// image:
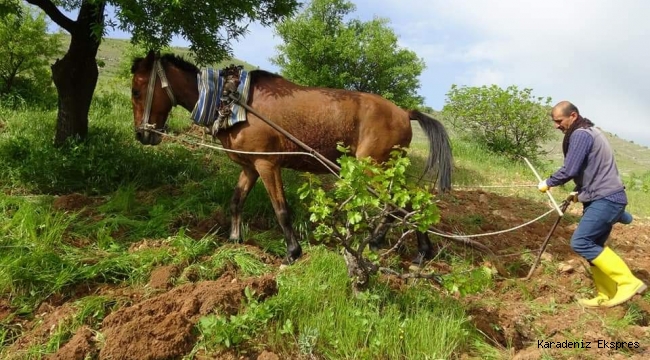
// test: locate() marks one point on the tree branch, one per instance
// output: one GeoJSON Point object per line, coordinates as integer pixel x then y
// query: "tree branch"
{"type": "Point", "coordinates": [55, 14]}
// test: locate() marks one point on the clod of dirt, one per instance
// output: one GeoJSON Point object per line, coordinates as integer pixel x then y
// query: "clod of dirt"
{"type": "Point", "coordinates": [267, 355]}
{"type": "Point", "coordinates": [161, 278]}
{"type": "Point", "coordinates": [71, 202]}
{"type": "Point", "coordinates": [79, 347]}
{"type": "Point", "coordinates": [199, 229]}
{"type": "Point", "coordinates": [38, 331]}
{"type": "Point", "coordinates": [565, 268]}
{"type": "Point", "coordinates": [5, 309]}
{"type": "Point", "coordinates": [161, 327]}
{"type": "Point", "coordinates": [530, 353]}
{"type": "Point", "coordinates": [147, 244]}
{"type": "Point", "coordinates": [502, 328]}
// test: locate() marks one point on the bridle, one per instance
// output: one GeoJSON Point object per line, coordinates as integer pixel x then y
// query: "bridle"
{"type": "Point", "coordinates": [155, 69]}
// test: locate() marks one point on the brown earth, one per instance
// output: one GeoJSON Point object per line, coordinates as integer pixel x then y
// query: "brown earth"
{"type": "Point", "coordinates": [517, 314]}
{"type": "Point", "coordinates": [514, 315]}
{"type": "Point", "coordinates": [80, 346]}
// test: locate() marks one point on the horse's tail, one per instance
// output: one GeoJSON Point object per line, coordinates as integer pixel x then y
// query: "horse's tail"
{"type": "Point", "coordinates": [440, 155]}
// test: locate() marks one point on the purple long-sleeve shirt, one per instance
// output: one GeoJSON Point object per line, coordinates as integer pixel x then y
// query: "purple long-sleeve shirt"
{"type": "Point", "coordinates": [579, 148]}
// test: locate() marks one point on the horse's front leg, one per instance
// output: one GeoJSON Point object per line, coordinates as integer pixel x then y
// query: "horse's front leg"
{"type": "Point", "coordinates": [425, 249]}
{"type": "Point", "coordinates": [247, 179]}
{"type": "Point", "coordinates": [272, 179]}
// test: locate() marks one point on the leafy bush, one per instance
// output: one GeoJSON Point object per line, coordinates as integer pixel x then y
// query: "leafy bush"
{"type": "Point", "coordinates": [35, 92]}
{"type": "Point", "coordinates": [25, 56]}
{"type": "Point", "coordinates": [511, 121]}
{"type": "Point", "coordinates": [364, 195]}
{"type": "Point", "coordinates": [638, 182]}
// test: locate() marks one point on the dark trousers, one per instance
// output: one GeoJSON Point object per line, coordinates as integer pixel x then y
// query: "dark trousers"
{"type": "Point", "coordinates": [595, 226]}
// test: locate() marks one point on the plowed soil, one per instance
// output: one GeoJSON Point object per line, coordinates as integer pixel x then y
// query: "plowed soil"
{"type": "Point", "coordinates": [515, 316]}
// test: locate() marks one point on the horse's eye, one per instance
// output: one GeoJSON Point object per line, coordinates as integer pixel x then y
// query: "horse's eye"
{"type": "Point", "coordinates": [135, 93]}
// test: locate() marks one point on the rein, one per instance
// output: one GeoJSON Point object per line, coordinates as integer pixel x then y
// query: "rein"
{"type": "Point", "coordinates": [164, 83]}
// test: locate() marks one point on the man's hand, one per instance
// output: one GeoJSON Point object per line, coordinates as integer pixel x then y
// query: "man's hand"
{"type": "Point", "coordinates": [542, 186]}
{"type": "Point", "coordinates": [573, 196]}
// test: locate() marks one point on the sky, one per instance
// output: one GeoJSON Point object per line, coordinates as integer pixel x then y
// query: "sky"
{"type": "Point", "coordinates": [594, 53]}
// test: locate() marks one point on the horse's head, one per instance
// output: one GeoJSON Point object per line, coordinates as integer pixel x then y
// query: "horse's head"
{"type": "Point", "coordinates": [152, 99]}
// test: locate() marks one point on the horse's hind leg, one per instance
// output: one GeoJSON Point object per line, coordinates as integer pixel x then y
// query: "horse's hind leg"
{"type": "Point", "coordinates": [247, 179]}
{"type": "Point", "coordinates": [378, 238]}
{"type": "Point", "coordinates": [425, 248]}
{"type": "Point", "coordinates": [272, 179]}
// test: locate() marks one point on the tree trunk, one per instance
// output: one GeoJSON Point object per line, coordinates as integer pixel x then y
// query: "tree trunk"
{"type": "Point", "coordinates": [75, 76]}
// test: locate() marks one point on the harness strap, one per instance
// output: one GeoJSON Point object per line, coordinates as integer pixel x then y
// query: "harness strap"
{"type": "Point", "coordinates": [156, 69]}
{"type": "Point", "coordinates": [149, 100]}
{"type": "Point", "coordinates": [163, 81]}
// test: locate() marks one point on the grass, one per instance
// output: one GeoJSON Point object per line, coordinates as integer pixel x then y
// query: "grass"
{"type": "Point", "coordinates": [317, 314]}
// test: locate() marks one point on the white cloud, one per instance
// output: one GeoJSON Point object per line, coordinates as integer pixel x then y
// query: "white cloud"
{"type": "Point", "coordinates": [593, 53]}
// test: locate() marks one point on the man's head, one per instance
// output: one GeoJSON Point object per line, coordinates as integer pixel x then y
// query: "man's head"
{"type": "Point", "coordinates": [564, 114]}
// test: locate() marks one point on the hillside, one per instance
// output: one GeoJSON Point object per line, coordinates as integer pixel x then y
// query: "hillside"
{"type": "Point", "coordinates": [631, 158]}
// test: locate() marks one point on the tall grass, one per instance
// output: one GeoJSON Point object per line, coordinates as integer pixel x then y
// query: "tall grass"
{"type": "Point", "coordinates": [318, 315]}
{"type": "Point", "coordinates": [108, 159]}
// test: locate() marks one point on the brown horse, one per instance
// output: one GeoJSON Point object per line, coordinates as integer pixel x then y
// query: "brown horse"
{"type": "Point", "coordinates": [368, 124]}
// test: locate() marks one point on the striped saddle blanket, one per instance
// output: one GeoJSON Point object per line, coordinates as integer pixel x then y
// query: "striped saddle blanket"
{"type": "Point", "coordinates": [209, 107]}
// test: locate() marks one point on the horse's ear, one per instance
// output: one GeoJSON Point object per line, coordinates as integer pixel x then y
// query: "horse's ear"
{"type": "Point", "coordinates": [150, 56]}
{"type": "Point", "coordinates": [144, 64]}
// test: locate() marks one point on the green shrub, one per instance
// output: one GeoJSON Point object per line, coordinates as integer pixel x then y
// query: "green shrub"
{"type": "Point", "coordinates": [510, 121]}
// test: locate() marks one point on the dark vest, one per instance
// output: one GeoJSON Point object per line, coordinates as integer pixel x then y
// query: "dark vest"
{"type": "Point", "coordinates": [599, 176]}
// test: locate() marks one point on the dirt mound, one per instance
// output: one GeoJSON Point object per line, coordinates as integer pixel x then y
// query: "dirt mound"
{"type": "Point", "coordinates": [5, 309]}
{"type": "Point", "coordinates": [162, 277]}
{"type": "Point", "coordinates": [80, 347]}
{"type": "Point", "coordinates": [72, 202]}
{"type": "Point", "coordinates": [161, 327]}
{"type": "Point", "coordinates": [40, 329]}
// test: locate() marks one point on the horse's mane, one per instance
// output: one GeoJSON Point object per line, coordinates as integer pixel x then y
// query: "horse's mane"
{"type": "Point", "coordinates": [183, 64]}
{"type": "Point", "coordinates": [175, 60]}
{"type": "Point", "coordinates": [260, 74]}
{"type": "Point", "coordinates": [180, 63]}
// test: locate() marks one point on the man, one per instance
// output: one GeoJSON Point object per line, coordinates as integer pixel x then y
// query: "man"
{"type": "Point", "coordinates": [589, 162]}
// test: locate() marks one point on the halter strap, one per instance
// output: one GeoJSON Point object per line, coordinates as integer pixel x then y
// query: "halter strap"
{"type": "Point", "coordinates": [155, 69]}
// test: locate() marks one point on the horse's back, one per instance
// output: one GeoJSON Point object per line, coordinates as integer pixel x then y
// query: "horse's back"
{"type": "Point", "coordinates": [321, 118]}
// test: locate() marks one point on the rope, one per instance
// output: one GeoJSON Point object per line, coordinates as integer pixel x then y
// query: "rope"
{"type": "Point", "coordinates": [492, 186]}
{"type": "Point", "coordinates": [220, 148]}
{"type": "Point", "coordinates": [495, 232]}
{"type": "Point", "coordinates": [438, 233]}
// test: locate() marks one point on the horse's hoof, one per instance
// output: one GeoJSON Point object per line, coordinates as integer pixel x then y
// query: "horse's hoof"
{"type": "Point", "coordinates": [415, 268]}
{"type": "Point", "coordinates": [236, 240]}
{"type": "Point", "coordinates": [421, 258]}
{"type": "Point", "coordinates": [287, 261]}
{"type": "Point", "coordinates": [292, 258]}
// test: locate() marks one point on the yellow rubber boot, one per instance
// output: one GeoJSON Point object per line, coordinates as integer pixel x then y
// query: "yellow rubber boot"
{"type": "Point", "coordinates": [605, 287]}
{"type": "Point", "coordinates": [627, 285]}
